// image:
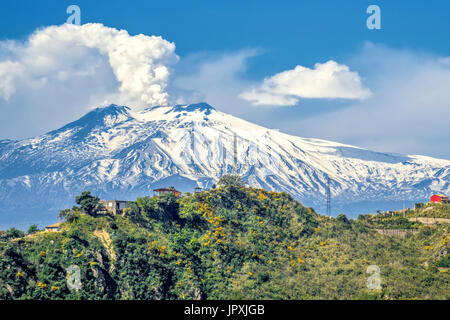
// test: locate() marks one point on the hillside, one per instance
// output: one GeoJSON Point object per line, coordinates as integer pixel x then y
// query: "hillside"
{"type": "Point", "coordinates": [119, 153]}
{"type": "Point", "coordinates": [432, 210]}
{"type": "Point", "coordinates": [229, 242]}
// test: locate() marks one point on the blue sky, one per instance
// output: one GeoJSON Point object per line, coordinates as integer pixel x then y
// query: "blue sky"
{"type": "Point", "coordinates": [289, 31]}
{"type": "Point", "coordinates": [247, 41]}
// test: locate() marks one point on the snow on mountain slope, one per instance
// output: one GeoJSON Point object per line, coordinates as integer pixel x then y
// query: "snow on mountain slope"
{"type": "Point", "coordinates": [118, 153]}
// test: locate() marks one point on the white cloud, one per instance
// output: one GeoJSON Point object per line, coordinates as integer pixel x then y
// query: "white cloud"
{"type": "Point", "coordinates": [141, 64]}
{"type": "Point", "coordinates": [327, 80]}
{"type": "Point", "coordinates": [60, 72]}
{"type": "Point", "coordinates": [216, 78]}
{"type": "Point", "coordinates": [408, 114]}
{"type": "Point", "coordinates": [8, 72]}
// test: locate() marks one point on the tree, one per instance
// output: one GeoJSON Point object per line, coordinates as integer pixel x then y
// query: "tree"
{"type": "Point", "coordinates": [168, 208]}
{"type": "Point", "coordinates": [342, 218]}
{"type": "Point", "coordinates": [33, 229]}
{"type": "Point", "coordinates": [70, 215]}
{"type": "Point", "coordinates": [87, 202]}
{"type": "Point", "coordinates": [231, 180]}
{"type": "Point", "coordinates": [14, 233]}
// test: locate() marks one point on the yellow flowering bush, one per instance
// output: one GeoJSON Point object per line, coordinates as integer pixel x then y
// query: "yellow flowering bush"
{"type": "Point", "coordinates": [41, 285]}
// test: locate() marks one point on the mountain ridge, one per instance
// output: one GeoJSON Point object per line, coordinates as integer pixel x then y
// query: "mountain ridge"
{"type": "Point", "coordinates": [118, 152]}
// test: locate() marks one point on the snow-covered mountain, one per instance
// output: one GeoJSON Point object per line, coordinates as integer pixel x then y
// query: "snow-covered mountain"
{"type": "Point", "coordinates": [119, 153]}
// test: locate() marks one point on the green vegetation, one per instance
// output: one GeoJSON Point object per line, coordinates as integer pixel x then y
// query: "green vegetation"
{"type": "Point", "coordinates": [230, 242]}
{"type": "Point", "coordinates": [432, 210]}
{"type": "Point", "coordinates": [88, 203]}
{"type": "Point", "coordinates": [32, 229]}
{"type": "Point", "coordinates": [394, 222]}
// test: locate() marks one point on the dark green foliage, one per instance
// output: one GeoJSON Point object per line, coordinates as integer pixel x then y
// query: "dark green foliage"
{"type": "Point", "coordinates": [88, 203]}
{"type": "Point", "coordinates": [70, 215]}
{"type": "Point", "coordinates": [32, 229]}
{"type": "Point", "coordinates": [342, 218]}
{"type": "Point", "coordinates": [230, 242]}
{"type": "Point", "coordinates": [444, 262]}
{"type": "Point", "coordinates": [230, 181]}
{"type": "Point", "coordinates": [14, 233]}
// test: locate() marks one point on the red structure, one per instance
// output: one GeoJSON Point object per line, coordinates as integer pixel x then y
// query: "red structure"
{"type": "Point", "coordinates": [439, 198]}
{"type": "Point", "coordinates": [162, 191]}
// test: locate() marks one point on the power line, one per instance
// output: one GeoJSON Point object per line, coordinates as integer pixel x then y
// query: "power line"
{"type": "Point", "coordinates": [328, 197]}
{"type": "Point", "coordinates": [235, 154]}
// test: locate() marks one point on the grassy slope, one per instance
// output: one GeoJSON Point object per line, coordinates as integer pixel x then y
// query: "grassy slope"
{"type": "Point", "coordinates": [432, 210]}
